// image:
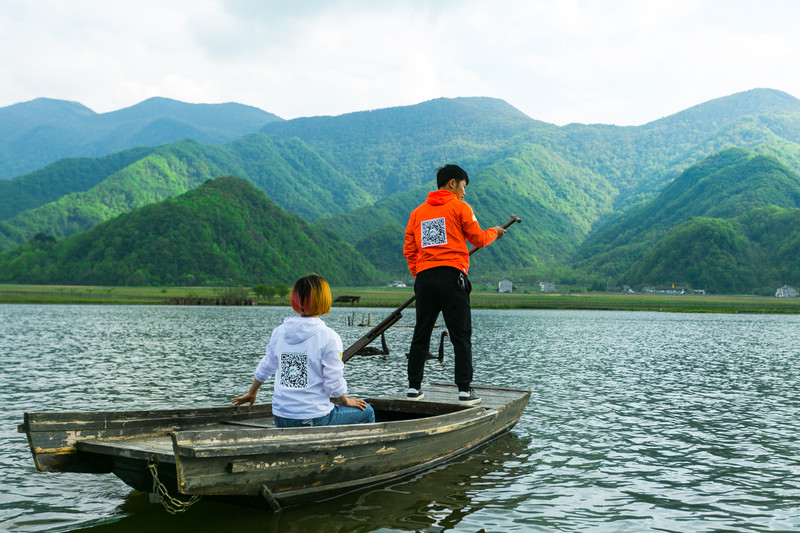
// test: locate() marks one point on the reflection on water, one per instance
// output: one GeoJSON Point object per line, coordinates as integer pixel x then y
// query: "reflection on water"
{"type": "Point", "coordinates": [637, 421]}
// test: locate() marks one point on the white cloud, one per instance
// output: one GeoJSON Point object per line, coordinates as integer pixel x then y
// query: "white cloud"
{"type": "Point", "coordinates": [614, 61]}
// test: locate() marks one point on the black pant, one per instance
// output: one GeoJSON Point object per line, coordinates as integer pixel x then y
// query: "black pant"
{"type": "Point", "coordinates": [445, 290]}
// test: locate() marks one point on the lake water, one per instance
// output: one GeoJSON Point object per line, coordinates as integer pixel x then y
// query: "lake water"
{"type": "Point", "coordinates": [637, 421]}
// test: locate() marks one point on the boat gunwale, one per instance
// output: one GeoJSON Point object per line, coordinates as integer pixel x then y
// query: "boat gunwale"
{"type": "Point", "coordinates": [43, 421]}
{"type": "Point", "coordinates": [287, 440]}
{"type": "Point", "coordinates": [169, 419]}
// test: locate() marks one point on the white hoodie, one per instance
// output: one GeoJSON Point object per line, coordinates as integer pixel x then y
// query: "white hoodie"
{"type": "Point", "coordinates": [306, 357]}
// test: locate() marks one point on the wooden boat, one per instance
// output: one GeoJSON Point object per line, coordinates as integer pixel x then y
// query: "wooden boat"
{"type": "Point", "coordinates": [233, 452]}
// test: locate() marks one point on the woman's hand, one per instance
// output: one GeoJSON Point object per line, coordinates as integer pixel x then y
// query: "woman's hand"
{"type": "Point", "coordinates": [247, 398]}
{"type": "Point", "coordinates": [250, 397]}
{"type": "Point", "coordinates": [352, 402]}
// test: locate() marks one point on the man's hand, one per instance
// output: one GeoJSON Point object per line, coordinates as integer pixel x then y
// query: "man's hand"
{"type": "Point", "coordinates": [500, 231]}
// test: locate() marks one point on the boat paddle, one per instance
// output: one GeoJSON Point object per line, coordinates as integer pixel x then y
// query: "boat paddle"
{"type": "Point", "coordinates": [396, 315]}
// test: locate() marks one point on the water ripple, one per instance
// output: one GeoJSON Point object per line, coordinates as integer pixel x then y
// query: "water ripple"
{"type": "Point", "coordinates": [637, 421]}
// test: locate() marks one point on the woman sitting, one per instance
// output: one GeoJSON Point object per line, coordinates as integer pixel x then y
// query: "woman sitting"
{"type": "Point", "coordinates": [305, 356]}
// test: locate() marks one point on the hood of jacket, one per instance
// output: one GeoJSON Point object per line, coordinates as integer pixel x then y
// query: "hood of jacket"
{"type": "Point", "coordinates": [298, 329]}
{"type": "Point", "coordinates": [440, 197]}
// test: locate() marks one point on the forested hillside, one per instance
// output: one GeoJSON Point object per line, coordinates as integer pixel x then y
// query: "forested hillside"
{"type": "Point", "coordinates": [396, 149]}
{"type": "Point", "coordinates": [225, 232]}
{"type": "Point", "coordinates": [291, 174]}
{"type": "Point", "coordinates": [600, 204]}
{"type": "Point", "coordinates": [700, 230]}
{"type": "Point", "coordinates": [754, 253]}
{"type": "Point", "coordinates": [558, 204]}
{"type": "Point", "coordinates": [60, 179]}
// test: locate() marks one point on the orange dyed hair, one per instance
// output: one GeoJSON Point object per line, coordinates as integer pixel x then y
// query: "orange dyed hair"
{"type": "Point", "coordinates": [311, 295]}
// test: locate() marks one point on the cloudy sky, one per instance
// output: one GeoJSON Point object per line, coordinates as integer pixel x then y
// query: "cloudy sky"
{"type": "Point", "coordinates": [624, 62]}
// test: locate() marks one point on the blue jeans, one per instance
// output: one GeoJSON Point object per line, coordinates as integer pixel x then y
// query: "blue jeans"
{"type": "Point", "coordinates": [338, 416]}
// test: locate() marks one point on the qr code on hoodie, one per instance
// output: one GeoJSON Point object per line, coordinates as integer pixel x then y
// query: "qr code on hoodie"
{"type": "Point", "coordinates": [294, 370]}
{"type": "Point", "coordinates": [433, 232]}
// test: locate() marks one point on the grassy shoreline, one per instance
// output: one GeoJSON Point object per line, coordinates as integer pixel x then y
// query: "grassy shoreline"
{"type": "Point", "coordinates": [392, 297]}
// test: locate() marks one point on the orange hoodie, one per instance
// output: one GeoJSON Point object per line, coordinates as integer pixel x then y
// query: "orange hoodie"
{"type": "Point", "coordinates": [437, 233]}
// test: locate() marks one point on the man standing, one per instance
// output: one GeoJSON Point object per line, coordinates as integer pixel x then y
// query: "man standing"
{"type": "Point", "coordinates": [436, 251]}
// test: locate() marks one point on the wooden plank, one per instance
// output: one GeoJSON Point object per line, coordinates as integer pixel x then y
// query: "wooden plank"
{"type": "Point", "coordinates": [143, 448]}
{"type": "Point", "coordinates": [234, 441]}
{"type": "Point", "coordinates": [491, 397]}
{"type": "Point", "coordinates": [90, 420]}
{"type": "Point", "coordinates": [260, 423]}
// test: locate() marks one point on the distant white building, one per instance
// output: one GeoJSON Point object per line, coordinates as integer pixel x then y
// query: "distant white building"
{"type": "Point", "coordinates": [505, 285]}
{"type": "Point", "coordinates": [786, 292]}
{"type": "Point", "coordinates": [547, 286]}
{"type": "Point", "coordinates": [667, 290]}
{"type": "Point", "coordinates": [396, 284]}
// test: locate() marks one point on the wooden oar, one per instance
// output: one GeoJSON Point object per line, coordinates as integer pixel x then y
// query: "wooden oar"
{"type": "Point", "coordinates": [396, 315]}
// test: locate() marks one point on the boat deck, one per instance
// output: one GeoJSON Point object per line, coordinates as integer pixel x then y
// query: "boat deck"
{"type": "Point", "coordinates": [491, 398]}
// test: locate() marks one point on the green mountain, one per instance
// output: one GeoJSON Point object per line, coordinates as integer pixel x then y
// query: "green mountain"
{"type": "Point", "coordinates": [753, 253]}
{"type": "Point", "coordinates": [286, 170]}
{"type": "Point", "coordinates": [396, 149]}
{"type": "Point", "coordinates": [557, 202]}
{"type": "Point", "coordinates": [224, 232]}
{"type": "Point", "coordinates": [699, 230]}
{"type": "Point", "coordinates": [640, 160]}
{"type": "Point", "coordinates": [595, 200]}
{"type": "Point", "coordinates": [62, 178]}
{"type": "Point", "coordinates": [702, 253]}
{"type": "Point", "coordinates": [42, 131]}
{"type": "Point", "coordinates": [774, 234]}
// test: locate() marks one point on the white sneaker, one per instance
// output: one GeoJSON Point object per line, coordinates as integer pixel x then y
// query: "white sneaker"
{"type": "Point", "coordinates": [468, 397]}
{"type": "Point", "coordinates": [414, 394]}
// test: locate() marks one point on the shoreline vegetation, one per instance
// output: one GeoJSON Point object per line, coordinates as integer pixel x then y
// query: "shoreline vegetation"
{"type": "Point", "coordinates": [394, 297]}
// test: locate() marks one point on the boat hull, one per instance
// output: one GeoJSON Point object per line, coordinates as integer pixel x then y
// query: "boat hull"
{"type": "Point", "coordinates": [246, 457]}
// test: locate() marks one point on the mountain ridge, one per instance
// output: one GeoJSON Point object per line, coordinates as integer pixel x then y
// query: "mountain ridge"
{"type": "Point", "coordinates": [42, 131]}
{"type": "Point", "coordinates": [358, 175]}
